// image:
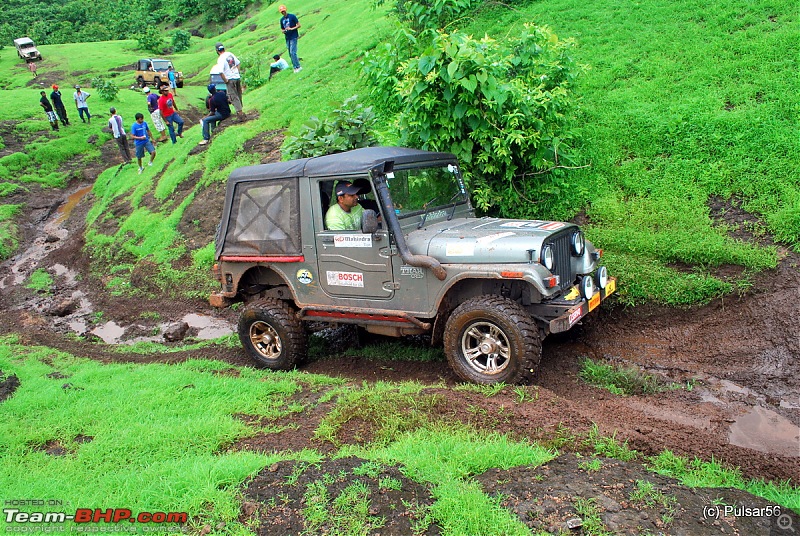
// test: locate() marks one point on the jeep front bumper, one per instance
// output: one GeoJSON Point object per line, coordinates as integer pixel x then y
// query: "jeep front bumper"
{"type": "Point", "coordinates": [568, 315]}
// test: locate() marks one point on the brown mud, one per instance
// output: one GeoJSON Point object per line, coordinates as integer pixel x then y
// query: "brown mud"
{"type": "Point", "coordinates": [737, 359]}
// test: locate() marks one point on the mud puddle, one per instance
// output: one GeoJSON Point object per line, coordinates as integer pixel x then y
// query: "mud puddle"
{"type": "Point", "coordinates": [197, 326]}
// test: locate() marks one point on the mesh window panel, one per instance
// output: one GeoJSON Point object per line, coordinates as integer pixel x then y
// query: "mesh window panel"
{"type": "Point", "coordinates": [265, 219]}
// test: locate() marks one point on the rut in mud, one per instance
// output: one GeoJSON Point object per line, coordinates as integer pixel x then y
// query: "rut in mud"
{"type": "Point", "coordinates": [740, 355]}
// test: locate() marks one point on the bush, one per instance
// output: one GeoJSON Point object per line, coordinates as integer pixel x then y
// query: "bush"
{"type": "Point", "coordinates": [501, 107]}
{"type": "Point", "coordinates": [254, 71]}
{"type": "Point", "coordinates": [180, 40]}
{"type": "Point", "coordinates": [351, 127]}
{"type": "Point", "coordinates": [151, 40]}
{"type": "Point", "coordinates": [106, 89]}
{"type": "Point", "coordinates": [430, 15]}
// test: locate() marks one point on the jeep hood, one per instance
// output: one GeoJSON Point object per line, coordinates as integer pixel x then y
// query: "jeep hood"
{"type": "Point", "coordinates": [484, 240]}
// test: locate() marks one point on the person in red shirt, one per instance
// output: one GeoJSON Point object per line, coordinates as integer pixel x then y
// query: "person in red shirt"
{"type": "Point", "coordinates": [169, 112]}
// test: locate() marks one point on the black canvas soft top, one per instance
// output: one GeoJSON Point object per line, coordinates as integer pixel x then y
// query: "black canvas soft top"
{"type": "Point", "coordinates": [271, 198]}
{"type": "Point", "coordinates": [357, 161]}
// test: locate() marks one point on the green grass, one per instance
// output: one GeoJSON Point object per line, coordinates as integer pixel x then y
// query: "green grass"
{"type": "Point", "coordinates": [445, 459]}
{"type": "Point", "coordinates": [617, 379]}
{"type": "Point", "coordinates": [712, 474]}
{"type": "Point", "coordinates": [696, 101]}
{"type": "Point", "coordinates": [158, 433]}
{"type": "Point", "coordinates": [40, 281]}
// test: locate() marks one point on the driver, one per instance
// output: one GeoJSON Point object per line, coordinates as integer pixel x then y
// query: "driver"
{"type": "Point", "coordinates": [345, 215]}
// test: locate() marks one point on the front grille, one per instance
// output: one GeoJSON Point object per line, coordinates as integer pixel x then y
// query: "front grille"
{"type": "Point", "coordinates": [562, 258]}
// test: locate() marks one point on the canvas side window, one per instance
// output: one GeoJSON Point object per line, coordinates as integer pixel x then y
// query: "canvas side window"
{"type": "Point", "coordinates": [265, 219]}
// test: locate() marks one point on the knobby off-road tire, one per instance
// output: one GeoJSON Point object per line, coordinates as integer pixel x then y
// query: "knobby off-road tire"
{"type": "Point", "coordinates": [272, 335]}
{"type": "Point", "coordinates": [490, 339]}
{"type": "Point", "coordinates": [140, 82]}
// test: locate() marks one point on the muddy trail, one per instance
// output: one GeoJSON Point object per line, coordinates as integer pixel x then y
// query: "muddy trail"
{"type": "Point", "coordinates": [736, 358]}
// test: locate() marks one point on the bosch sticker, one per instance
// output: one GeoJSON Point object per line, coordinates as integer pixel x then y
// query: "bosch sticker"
{"type": "Point", "coordinates": [345, 279]}
{"type": "Point", "coordinates": [304, 276]}
{"type": "Point", "coordinates": [574, 316]}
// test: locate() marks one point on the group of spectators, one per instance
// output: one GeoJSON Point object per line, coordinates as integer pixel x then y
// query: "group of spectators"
{"type": "Point", "coordinates": [163, 108]}
{"type": "Point", "coordinates": [57, 111]}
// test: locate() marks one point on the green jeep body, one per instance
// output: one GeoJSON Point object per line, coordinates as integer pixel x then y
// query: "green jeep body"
{"type": "Point", "coordinates": [489, 289]}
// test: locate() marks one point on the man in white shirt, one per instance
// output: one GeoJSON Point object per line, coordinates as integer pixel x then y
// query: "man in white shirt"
{"type": "Point", "coordinates": [115, 123]}
{"type": "Point", "coordinates": [229, 66]}
{"type": "Point", "coordinates": [80, 98]}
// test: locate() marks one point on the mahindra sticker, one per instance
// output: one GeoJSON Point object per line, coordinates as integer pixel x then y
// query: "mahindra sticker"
{"type": "Point", "coordinates": [352, 241]}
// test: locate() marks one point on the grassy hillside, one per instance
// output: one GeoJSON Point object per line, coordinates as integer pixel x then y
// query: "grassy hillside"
{"type": "Point", "coordinates": [681, 103]}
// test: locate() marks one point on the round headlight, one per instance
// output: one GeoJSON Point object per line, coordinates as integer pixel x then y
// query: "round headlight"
{"type": "Point", "coordinates": [578, 243]}
{"type": "Point", "coordinates": [601, 277]}
{"type": "Point", "coordinates": [587, 286]}
{"type": "Point", "coordinates": [547, 257]}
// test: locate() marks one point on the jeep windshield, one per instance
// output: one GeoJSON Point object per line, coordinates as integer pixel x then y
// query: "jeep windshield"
{"type": "Point", "coordinates": [427, 192]}
{"type": "Point", "coordinates": [161, 65]}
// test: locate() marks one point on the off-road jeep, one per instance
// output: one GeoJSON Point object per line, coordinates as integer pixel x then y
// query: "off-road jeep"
{"type": "Point", "coordinates": [26, 49]}
{"type": "Point", "coordinates": [490, 289]}
{"type": "Point", "coordinates": [152, 71]}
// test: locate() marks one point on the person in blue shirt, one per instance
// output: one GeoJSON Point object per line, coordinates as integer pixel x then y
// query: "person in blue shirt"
{"type": "Point", "coordinates": [173, 83]}
{"type": "Point", "coordinates": [289, 27]}
{"type": "Point", "coordinates": [143, 141]}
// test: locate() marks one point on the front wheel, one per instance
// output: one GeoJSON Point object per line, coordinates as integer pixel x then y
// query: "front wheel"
{"type": "Point", "coordinates": [140, 82]}
{"type": "Point", "coordinates": [157, 82]}
{"type": "Point", "coordinates": [490, 339]}
{"type": "Point", "coordinates": [272, 335]}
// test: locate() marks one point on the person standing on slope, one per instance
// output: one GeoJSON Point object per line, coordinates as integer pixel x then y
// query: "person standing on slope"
{"type": "Point", "coordinates": [228, 65]}
{"type": "Point", "coordinates": [289, 27]}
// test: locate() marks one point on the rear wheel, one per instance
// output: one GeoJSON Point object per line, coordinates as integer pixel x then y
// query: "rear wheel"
{"type": "Point", "coordinates": [157, 82]}
{"type": "Point", "coordinates": [140, 81]}
{"type": "Point", "coordinates": [490, 339]}
{"type": "Point", "coordinates": [272, 335]}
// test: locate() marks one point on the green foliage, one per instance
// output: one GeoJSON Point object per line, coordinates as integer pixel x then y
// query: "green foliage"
{"type": "Point", "coordinates": [618, 380]}
{"type": "Point", "coordinates": [40, 281]}
{"type": "Point", "coordinates": [609, 447]}
{"type": "Point", "coordinates": [8, 230]}
{"type": "Point", "coordinates": [105, 89]}
{"type": "Point", "coordinates": [222, 10]}
{"type": "Point", "coordinates": [171, 426]}
{"type": "Point", "coordinates": [151, 40]}
{"type": "Point", "coordinates": [502, 107]}
{"type": "Point", "coordinates": [430, 15]}
{"type": "Point", "coordinates": [255, 70]}
{"type": "Point", "coordinates": [350, 127]}
{"type": "Point", "coordinates": [699, 473]}
{"type": "Point", "coordinates": [181, 40]}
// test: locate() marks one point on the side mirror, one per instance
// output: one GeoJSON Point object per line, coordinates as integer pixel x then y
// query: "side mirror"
{"type": "Point", "coordinates": [369, 221]}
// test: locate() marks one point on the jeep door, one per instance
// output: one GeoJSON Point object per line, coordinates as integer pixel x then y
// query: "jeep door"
{"type": "Point", "coordinates": [351, 264]}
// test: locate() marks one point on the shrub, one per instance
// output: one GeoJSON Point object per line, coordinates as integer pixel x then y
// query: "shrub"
{"type": "Point", "coordinates": [351, 127]}
{"type": "Point", "coordinates": [180, 40]}
{"type": "Point", "coordinates": [151, 40]}
{"type": "Point", "coordinates": [501, 107]}
{"type": "Point", "coordinates": [431, 15]}
{"type": "Point", "coordinates": [253, 71]}
{"type": "Point", "coordinates": [106, 89]}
